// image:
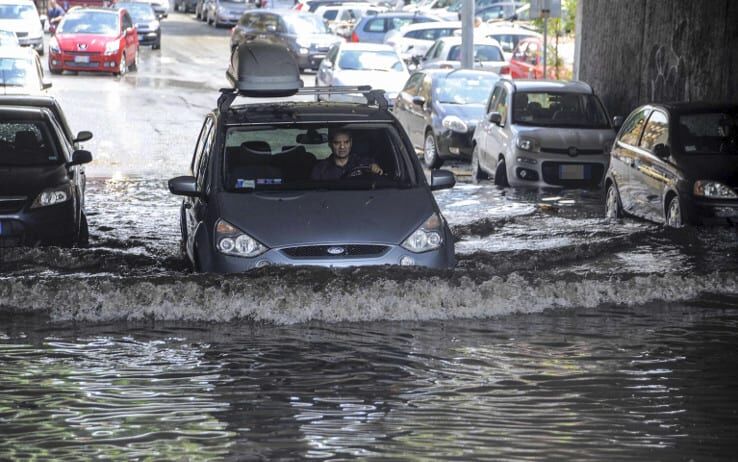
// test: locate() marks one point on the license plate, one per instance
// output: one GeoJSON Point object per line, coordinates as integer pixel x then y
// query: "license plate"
{"type": "Point", "coordinates": [81, 59]}
{"type": "Point", "coordinates": [571, 172]}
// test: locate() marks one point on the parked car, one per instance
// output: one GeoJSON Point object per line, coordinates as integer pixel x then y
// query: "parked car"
{"type": "Point", "coordinates": [676, 164]}
{"type": "Point", "coordinates": [543, 133]}
{"type": "Point", "coordinates": [200, 9]}
{"type": "Point", "coordinates": [225, 12]}
{"type": "Point", "coordinates": [21, 72]}
{"type": "Point", "coordinates": [251, 200]}
{"type": "Point", "coordinates": [144, 18]}
{"type": "Point", "coordinates": [94, 40]}
{"type": "Point", "coordinates": [355, 64]}
{"type": "Point", "coordinates": [439, 109]}
{"type": "Point", "coordinates": [21, 17]}
{"type": "Point", "coordinates": [8, 38]}
{"type": "Point", "coordinates": [304, 34]}
{"type": "Point", "coordinates": [185, 6]}
{"type": "Point", "coordinates": [341, 18]}
{"type": "Point", "coordinates": [527, 60]}
{"type": "Point", "coordinates": [509, 35]}
{"type": "Point", "coordinates": [503, 11]}
{"type": "Point", "coordinates": [374, 28]}
{"type": "Point", "coordinates": [309, 6]}
{"type": "Point", "coordinates": [446, 53]}
{"type": "Point", "coordinates": [161, 8]}
{"type": "Point", "coordinates": [437, 8]}
{"type": "Point", "coordinates": [412, 41]}
{"type": "Point", "coordinates": [50, 103]}
{"type": "Point", "coordinates": [42, 181]}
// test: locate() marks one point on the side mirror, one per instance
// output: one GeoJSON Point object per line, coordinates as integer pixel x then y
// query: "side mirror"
{"type": "Point", "coordinates": [418, 100]}
{"type": "Point", "coordinates": [84, 135]}
{"type": "Point", "coordinates": [183, 186]}
{"type": "Point", "coordinates": [45, 84]}
{"type": "Point", "coordinates": [442, 179]}
{"type": "Point", "coordinates": [617, 122]}
{"type": "Point", "coordinates": [80, 157]}
{"type": "Point", "coordinates": [661, 151]}
{"type": "Point", "coordinates": [495, 118]}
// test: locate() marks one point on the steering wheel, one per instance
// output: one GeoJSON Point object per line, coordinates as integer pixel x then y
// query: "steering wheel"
{"type": "Point", "coordinates": [359, 171]}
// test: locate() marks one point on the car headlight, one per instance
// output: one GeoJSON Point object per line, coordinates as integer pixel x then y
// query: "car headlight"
{"type": "Point", "coordinates": [713, 190]}
{"type": "Point", "coordinates": [112, 47]}
{"type": "Point", "coordinates": [53, 196]}
{"type": "Point", "coordinates": [153, 25]}
{"type": "Point", "coordinates": [303, 42]}
{"type": "Point", "coordinates": [232, 241]}
{"type": "Point", "coordinates": [454, 123]}
{"type": "Point", "coordinates": [528, 144]}
{"type": "Point", "coordinates": [54, 45]}
{"type": "Point", "coordinates": [429, 236]}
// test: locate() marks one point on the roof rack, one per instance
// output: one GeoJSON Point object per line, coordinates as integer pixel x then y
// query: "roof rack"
{"type": "Point", "coordinates": [373, 97]}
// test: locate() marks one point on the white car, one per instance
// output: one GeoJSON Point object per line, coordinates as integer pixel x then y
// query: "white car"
{"type": "Point", "coordinates": [21, 72]}
{"type": "Point", "coordinates": [355, 64]}
{"type": "Point", "coordinates": [446, 53]}
{"type": "Point", "coordinates": [435, 7]}
{"type": "Point", "coordinates": [341, 18]}
{"type": "Point", "coordinates": [21, 17]}
{"type": "Point", "coordinates": [414, 40]}
{"type": "Point", "coordinates": [508, 35]}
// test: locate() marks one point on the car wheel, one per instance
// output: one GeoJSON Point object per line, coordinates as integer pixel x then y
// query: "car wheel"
{"type": "Point", "coordinates": [134, 64]}
{"type": "Point", "coordinates": [477, 172]}
{"type": "Point", "coordinates": [122, 66]}
{"type": "Point", "coordinates": [501, 173]}
{"type": "Point", "coordinates": [613, 206]}
{"type": "Point", "coordinates": [430, 151]}
{"type": "Point", "coordinates": [55, 71]}
{"type": "Point", "coordinates": [157, 44]}
{"type": "Point", "coordinates": [83, 235]}
{"type": "Point", "coordinates": [674, 216]}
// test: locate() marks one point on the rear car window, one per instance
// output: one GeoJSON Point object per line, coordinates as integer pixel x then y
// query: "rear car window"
{"type": "Point", "coordinates": [26, 143]}
{"type": "Point", "coordinates": [708, 133]}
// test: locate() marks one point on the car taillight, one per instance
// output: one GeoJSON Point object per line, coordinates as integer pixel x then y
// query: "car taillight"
{"type": "Point", "coordinates": [354, 37]}
{"type": "Point", "coordinates": [504, 70]}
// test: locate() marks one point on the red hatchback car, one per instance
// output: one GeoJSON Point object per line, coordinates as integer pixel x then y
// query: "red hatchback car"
{"type": "Point", "coordinates": [94, 40]}
{"type": "Point", "coordinates": [527, 60]}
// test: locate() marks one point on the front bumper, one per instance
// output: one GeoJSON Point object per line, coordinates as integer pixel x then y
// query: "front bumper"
{"type": "Point", "coordinates": [146, 37]}
{"type": "Point", "coordinates": [542, 169]}
{"type": "Point", "coordinates": [715, 210]}
{"type": "Point", "coordinates": [455, 145]}
{"type": "Point", "coordinates": [55, 224]}
{"type": "Point", "coordinates": [88, 62]}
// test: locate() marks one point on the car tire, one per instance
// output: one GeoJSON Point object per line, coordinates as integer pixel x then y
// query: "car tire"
{"type": "Point", "coordinates": [431, 159]}
{"type": "Point", "coordinates": [613, 206]}
{"type": "Point", "coordinates": [134, 65]}
{"type": "Point", "coordinates": [477, 172]}
{"type": "Point", "coordinates": [83, 235]}
{"type": "Point", "coordinates": [501, 173]}
{"type": "Point", "coordinates": [55, 71]}
{"type": "Point", "coordinates": [122, 67]}
{"type": "Point", "coordinates": [157, 44]}
{"type": "Point", "coordinates": [674, 213]}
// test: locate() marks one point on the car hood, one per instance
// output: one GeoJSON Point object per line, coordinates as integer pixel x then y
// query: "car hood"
{"type": "Point", "coordinates": [279, 219]}
{"type": "Point", "coordinates": [30, 181]}
{"type": "Point", "coordinates": [390, 82]}
{"type": "Point", "coordinates": [564, 138]}
{"type": "Point", "coordinates": [321, 40]}
{"type": "Point", "coordinates": [718, 167]}
{"type": "Point", "coordinates": [95, 43]}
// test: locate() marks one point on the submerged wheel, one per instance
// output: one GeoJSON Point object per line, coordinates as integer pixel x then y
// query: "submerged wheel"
{"type": "Point", "coordinates": [613, 207]}
{"type": "Point", "coordinates": [501, 173]}
{"type": "Point", "coordinates": [674, 217]}
{"type": "Point", "coordinates": [83, 236]}
{"type": "Point", "coordinates": [477, 172]}
{"type": "Point", "coordinates": [431, 159]}
{"type": "Point", "coordinates": [134, 64]}
{"type": "Point", "coordinates": [122, 66]}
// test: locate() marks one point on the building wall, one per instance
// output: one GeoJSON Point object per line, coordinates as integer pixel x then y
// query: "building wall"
{"type": "Point", "coordinates": [638, 51]}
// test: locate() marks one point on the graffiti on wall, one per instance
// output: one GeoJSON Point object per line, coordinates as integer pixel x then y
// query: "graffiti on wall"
{"type": "Point", "coordinates": [669, 80]}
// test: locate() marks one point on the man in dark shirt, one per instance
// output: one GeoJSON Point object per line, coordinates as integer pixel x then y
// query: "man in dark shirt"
{"type": "Point", "coordinates": [54, 13]}
{"type": "Point", "coordinates": [342, 162]}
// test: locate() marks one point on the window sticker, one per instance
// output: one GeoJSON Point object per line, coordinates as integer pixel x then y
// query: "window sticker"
{"type": "Point", "coordinates": [243, 184]}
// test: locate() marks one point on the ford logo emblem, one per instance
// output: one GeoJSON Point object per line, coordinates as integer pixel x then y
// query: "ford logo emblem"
{"type": "Point", "coordinates": [573, 151]}
{"type": "Point", "coordinates": [336, 250]}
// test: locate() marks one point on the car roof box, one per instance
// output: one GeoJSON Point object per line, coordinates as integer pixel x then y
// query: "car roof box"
{"type": "Point", "coordinates": [261, 69]}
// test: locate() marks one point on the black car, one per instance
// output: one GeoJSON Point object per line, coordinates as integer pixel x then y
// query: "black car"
{"type": "Point", "coordinates": [42, 181]}
{"type": "Point", "coordinates": [258, 194]}
{"type": "Point", "coordinates": [185, 6]}
{"type": "Point", "coordinates": [676, 164]}
{"type": "Point", "coordinates": [304, 34]}
{"type": "Point", "coordinates": [50, 103]}
{"type": "Point", "coordinates": [145, 19]}
{"type": "Point", "coordinates": [440, 108]}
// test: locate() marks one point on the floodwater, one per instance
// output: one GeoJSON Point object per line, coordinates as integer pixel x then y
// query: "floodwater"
{"type": "Point", "coordinates": [559, 336]}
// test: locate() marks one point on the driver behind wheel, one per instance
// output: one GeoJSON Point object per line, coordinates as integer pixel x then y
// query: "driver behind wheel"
{"type": "Point", "coordinates": [343, 163]}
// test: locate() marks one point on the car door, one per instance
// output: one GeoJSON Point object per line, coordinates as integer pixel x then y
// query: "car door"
{"type": "Point", "coordinates": [484, 128]}
{"type": "Point", "coordinates": [193, 208]}
{"type": "Point", "coordinates": [130, 36]}
{"type": "Point", "coordinates": [418, 110]}
{"type": "Point", "coordinates": [497, 139]}
{"type": "Point", "coordinates": [404, 102]}
{"type": "Point", "coordinates": [623, 158]}
{"type": "Point", "coordinates": [652, 174]}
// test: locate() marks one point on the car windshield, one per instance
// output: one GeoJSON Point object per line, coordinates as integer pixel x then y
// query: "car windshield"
{"type": "Point", "coordinates": [366, 60]}
{"type": "Point", "coordinates": [18, 12]}
{"type": "Point", "coordinates": [25, 143]}
{"type": "Point", "coordinates": [90, 22]}
{"type": "Point", "coordinates": [481, 53]}
{"type": "Point", "coordinates": [305, 24]}
{"type": "Point", "coordinates": [708, 133]}
{"type": "Point", "coordinates": [300, 158]}
{"type": "Point", "coordinates": [558, 109]}
{"type": "Point", "coordinates": [140, 12]}
{"type": "Point", "coordinates": [465, 88]}
{"type": "Point", "coordinates": [15, 72]}
{"type": "Point", "coordinates": [8, 38]}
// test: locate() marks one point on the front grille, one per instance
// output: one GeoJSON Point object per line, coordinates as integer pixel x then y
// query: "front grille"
{"type": "Point", "coordinates": [580, 152]}
{"type": "Point", "coordinates": [82, 53]}
{"type": "Point", "coordinates": [349, 251]}
{"type": "Point", "coordinates": [11, 204]}
{"type": "Point", "coordinates": [592, 175]}
{"type": "Point", "coordinates": [90, 64]}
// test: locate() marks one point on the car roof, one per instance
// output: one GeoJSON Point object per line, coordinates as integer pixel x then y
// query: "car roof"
{"type": "Point", "coordinates": [26, 112]}
{"type": "Point", "coordinates": [568, 86]}
{"type": "Point", "coordinates": [307, 112]}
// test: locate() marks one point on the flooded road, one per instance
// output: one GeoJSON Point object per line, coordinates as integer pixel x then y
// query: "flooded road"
{"type": "Point", "coordinates": [560, 335]}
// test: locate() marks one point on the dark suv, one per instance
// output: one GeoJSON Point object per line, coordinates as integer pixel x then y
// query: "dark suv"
{"type": "Point", "coordinates": [252, 197]}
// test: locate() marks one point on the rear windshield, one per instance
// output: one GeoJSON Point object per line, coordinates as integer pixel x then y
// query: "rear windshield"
{"type": "Point", "coordinates": [570, 110]}
{"type": "Point", "coordinates": [301, 158]}
{"type": "Point", "coordinates": [708, 133]}
{"type": "Point", "coordinates": [90, 22]}
{"type": "Point", "coordinates": [25, 143]}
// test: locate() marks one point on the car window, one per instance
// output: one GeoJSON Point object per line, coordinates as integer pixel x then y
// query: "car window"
{"type": "Point", "coordinates": [501, 105]}
{"type": "Point", "coordinates": [197, 155]}
{"type": "Point", "coordinates": [412, 86]}
{"type": "Point", "coordinates": [508, 42]}
{"type": "Point", "coordinates": [202, 168]}
{"type": "Point", "coordinates": [559, 109]}
{"type": "Point", "coordinates": [632, 128]}
{"type": "Point", "coordinates": [17, 72]}
{"type": "Point", "coordinates": [10, 11]}
{"type": "Point", "coordinates": [365, 60]}
{"type": "Point", "coordinates": [493, 99]}
{"type": "Point", "coordinates": [290, 156]}
{"type": "Point", "coordinates": [26, 143]}
{"type": "Point", "coordinates": [305, 24]}
{"type": "Point", "coordinates": [707, 133]}
{"type": "Point", "coordinates": [330, 15]}
{"type": "Point", "coordinates": [425, 87]}
{"type": "Point", "coordinates": [375, 25]}
{"type": "Point", "coordinates": [481, 53]}
{"type": "Point", "coordinates": [656, 131]}
{"type": "Point", "coordinates": [332, 53]}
